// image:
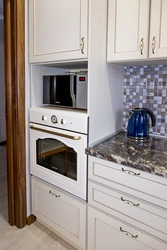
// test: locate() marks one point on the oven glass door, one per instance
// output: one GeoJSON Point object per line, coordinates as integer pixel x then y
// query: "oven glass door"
{"type": "Point", "coordinates": [57, 156]}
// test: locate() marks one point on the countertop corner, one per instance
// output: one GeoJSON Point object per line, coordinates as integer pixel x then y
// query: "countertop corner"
{"type": "Point", "coordinates": [149, 155]}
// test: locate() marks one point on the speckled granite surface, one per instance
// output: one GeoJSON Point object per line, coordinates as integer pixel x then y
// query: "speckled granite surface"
{"type": "Point", "coordinates": [149, 155]}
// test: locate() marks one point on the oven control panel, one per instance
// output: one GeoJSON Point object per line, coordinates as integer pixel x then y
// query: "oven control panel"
{"type": "Point", "coordinates": [58, 118]}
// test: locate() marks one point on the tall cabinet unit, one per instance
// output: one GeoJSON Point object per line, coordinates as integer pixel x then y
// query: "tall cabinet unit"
{"type": "Point", "coordinates": [58, 30]}
{"type": "Point", "coordinates": [137, 30]}
{"type": "Point", "coordinates": [58, 37]}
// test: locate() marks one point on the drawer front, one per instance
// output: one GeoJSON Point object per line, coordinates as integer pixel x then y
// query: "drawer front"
{"type": "Point", "coordinates": [110, 173]}
{"type": "Point", "coordinates": [110, 200]}
{"type": "Point", "coordinates": [60, 211]}
{"type": "Point", "coordinates": [108, 233]}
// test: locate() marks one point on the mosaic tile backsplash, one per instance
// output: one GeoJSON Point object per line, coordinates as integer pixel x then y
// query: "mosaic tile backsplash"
{"type": "Point", "coordinates": [146, 87]}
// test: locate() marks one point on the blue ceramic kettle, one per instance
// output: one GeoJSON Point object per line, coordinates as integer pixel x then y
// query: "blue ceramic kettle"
{"type": "Point", "coordinates": [138, 123]}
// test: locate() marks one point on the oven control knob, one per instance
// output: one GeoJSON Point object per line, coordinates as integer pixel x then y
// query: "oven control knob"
{"type": "Point", "coordinates": [44, 118]}
{"type": "Point", "coordinates": [54, 119]}
{"type": "Point", "coordinates": [63, 121]}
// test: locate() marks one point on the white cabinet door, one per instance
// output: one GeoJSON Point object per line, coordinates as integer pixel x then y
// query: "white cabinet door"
{"type": "Point", "coordinates": [158, 29]}
{"type": "Point", "coordinates": [128, 27]}
{"type": "Point", "coordinates": [58, 30]}
{"type": "Point", "coordinates": [63, 213]}
{"type": "Point", "coordinates": [107, 233]}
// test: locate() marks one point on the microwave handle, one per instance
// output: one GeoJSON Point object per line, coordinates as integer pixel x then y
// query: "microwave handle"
{"type": "Point", "coordinates": [55, 133]}
{"type": "Point", "coordinates": [72, 90]}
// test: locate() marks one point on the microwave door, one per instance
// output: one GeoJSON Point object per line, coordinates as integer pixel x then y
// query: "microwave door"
{"type": "Point", "coordinates": [73, 89]}
{"type": "Point", "coordinates": [63, 92]}
{"type": "Point", "coordinates": [52, 89]}
{"type": "Point", "coordinates": [49, 89]}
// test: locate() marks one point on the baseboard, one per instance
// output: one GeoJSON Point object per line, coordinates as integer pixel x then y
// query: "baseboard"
{"type": "Point", "coordinates": [2, 143]}
{"type": "Point", "coordinates": [31, 219]}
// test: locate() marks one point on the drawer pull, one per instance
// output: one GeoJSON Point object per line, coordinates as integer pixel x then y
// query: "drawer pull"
{"type": "Point", "coordinates": [130, 172]}
{"type": "Point", "coordinates": [53, 194]}
{"type": "Point", "coordinates": [128, 234]}
{"type": "Point", "coordinates": [130, 202]}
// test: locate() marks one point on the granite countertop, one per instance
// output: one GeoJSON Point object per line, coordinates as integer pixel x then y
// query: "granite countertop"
{"type": "Point", "coordinates": [149, 155]}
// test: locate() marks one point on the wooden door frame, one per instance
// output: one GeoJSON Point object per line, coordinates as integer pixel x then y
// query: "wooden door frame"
{"type": "Point", "coordinates": [14, 43]}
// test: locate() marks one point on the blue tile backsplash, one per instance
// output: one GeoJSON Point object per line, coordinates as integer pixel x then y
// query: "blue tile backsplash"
{"type": "Point", "coordinates": [146, 87]}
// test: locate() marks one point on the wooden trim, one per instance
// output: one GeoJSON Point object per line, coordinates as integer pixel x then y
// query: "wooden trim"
{"type": "Point", "coordinates": [14, 32]}
{"type": "Point", "coordinates": [31, 219]}
{"type": "Point", "coordinates": [19, 114]}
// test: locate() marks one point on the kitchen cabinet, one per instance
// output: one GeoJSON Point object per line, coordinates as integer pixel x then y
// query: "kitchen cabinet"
{"type": "Point", "coordinates": [62, 213]}
{"type": "Point", "coordinates": [158, 27]}
{"type": "Point", "coordinates": [105, 232]}
{"type": "Point", "coordinates": [126, 207]}
{"type": "Point", "coordinates": [137, 30]}
{"type": "Point", "coordinates": [58, 30]}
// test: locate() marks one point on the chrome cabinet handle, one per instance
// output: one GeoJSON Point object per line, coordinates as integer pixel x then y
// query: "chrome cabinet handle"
{"type": "Point", "coordinates": [53, 194]}
{"type": "Point", "coordinates": [82, 45]}
{"type": "Point", "coordinates": [55, 133]}
{"type": "Point", "coordinates": [141, 46]}
{"type": "Point", "coordinates": [130, 202]}
{"type": "Point", "coordinates": [128, 234]}
{"type": "Point", "coordinates": [153, 45]}
{"type": "Point", "coordinates": [130, 172]}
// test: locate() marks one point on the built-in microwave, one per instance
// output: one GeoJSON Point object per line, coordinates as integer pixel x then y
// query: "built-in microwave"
{"type": "Point", "coordinates": [66, 90]}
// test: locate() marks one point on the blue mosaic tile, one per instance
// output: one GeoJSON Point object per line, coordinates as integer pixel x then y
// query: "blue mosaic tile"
{"type": "Point", "coordinates": [146, 87]}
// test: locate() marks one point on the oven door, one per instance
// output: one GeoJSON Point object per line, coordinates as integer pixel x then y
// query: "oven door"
{"type": "Point", "coordinates": [58, 157]}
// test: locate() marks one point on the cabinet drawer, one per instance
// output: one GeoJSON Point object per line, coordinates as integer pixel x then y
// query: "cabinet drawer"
{"type": "Point", "coordinates": [110, 174]}
{"type": "Point", "coordinates": [62, 212]}
{"type": "Point", "coordinates": [113, 201]}
{"type": "Point", "coordinates": [105, 232]}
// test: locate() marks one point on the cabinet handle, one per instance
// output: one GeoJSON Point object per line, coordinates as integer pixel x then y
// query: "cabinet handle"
{"type": "Point", "coordinates": [130, 172]}
{"type": "Point", "coordinates": [128, 234]}
{"type": "Point", "coordinates": [130, 202]}
{"type": "Point", "coordinates": [141, 46]}
{"type": "Point", "coordinates": [53, 194]}
{"type": "Point", "coordinates": [82, 45]}
{"type": "Point", "coordinates": [153, 45]}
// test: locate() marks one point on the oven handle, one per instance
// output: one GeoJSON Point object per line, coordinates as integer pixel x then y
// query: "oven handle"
{"type": "Point", "coordinates": [55, 133]}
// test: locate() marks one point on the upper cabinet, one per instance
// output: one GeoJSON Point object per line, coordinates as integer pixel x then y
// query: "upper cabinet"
{"type": "Point", "coordinates": [137, 30]}
{"type": "Point", "coordinates": [58, 30]}
{"type": "Point", "coordinates": [158, 29]}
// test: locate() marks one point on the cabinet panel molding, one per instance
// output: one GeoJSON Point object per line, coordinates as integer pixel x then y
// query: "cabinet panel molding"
{"type": "Point", "coordinates": [132, 197]}
{"type": "Point", "coordinates": [58, 30]}
{"type": "Point", "coordinates": [128, 27]}
{"type": "Point", "coordinates": [108, 233]}
{"type": "Point", "coordinates": [158, 27]}
{"type": "Point", "coordinates": [61, 212]}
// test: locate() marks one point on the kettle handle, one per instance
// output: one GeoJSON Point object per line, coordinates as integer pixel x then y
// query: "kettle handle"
{"type": "Point", "coordinates": [148, 111]}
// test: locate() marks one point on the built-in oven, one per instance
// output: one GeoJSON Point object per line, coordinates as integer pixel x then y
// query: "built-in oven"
{"type": "Point", "coordinates": [58, 140]}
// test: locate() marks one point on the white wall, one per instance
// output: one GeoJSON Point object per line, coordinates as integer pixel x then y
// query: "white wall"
{"type": "Point", "coordinates": [2, 85]}
{"type": "Point", "coordinates": [105, 80]}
